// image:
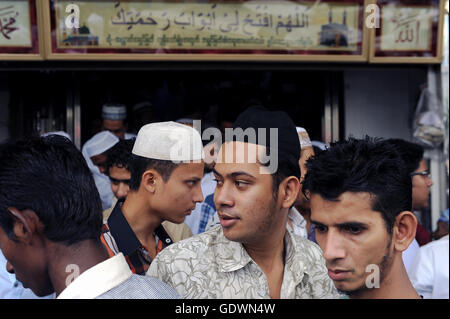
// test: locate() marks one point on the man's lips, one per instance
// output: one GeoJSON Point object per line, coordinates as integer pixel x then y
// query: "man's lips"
{"type": "Point", "coordinates": [227, 220]}
{"type": "Point", "coordinates": [338, 274]}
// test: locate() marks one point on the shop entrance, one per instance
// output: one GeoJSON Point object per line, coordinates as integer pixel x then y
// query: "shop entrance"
{"type": "Point", "coordinates": [214, 97]}
{"type": "Point", "coordinates": [72, 100]}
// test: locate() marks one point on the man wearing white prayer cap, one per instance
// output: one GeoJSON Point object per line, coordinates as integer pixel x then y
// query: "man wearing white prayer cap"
{"type": "Point", "coordinates": [94, 152]}
{"type": "Point", "coordinates": [60, 133]}
{"type": "Point", "coordinates": [166, 171]}
{"type": "Point", "coordinates": [114, 118]}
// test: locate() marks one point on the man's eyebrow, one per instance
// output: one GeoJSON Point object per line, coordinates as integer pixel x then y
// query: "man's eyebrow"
{"type": "Point", "coordinates": [316, 223]}
{"type": "Point", "coordinates": [120, 180]}
{"type": "Point", "coordinates": [352, 224]}
{"type": "Point", "coordinates": [342, 225]}
{"type": "Point", "coordinates": [234, 174]}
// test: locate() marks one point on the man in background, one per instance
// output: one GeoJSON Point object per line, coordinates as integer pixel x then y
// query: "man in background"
{"type": "Point", "coordinates": [95, 152]}
{"type": "Point", "coordinates": [118, 171]}
{"type": "Point", "coordinates": [114, 119]}
{"type": "Point", "coordinates": [412, 154]}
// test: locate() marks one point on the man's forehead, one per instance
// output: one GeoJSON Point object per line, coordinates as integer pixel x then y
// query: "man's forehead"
{"type": "Point", "coordinates": [225, 169]}
{"type": "Point", "coordinates": [240, 152]}
{"type": "Point", "coordinates": [100, 158]}
{"type": "Point", "coordinates": [113, 123]}
{"type": "Point", "coordinates": [116, 171]}
{"type": "Point", "coordinates": [193, 168]}
{"type": "Point", "coordinates": [422, 165]}
{"type": "Point", "coordinates": [347, 207]}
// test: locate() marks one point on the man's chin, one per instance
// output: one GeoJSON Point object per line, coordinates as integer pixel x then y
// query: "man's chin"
{"type": "Point", "coordinates": [352, 291]}
{"type": "Point", "coordinates": [41, 291]}
{"type": "Point", "coordinates": [348, 289]}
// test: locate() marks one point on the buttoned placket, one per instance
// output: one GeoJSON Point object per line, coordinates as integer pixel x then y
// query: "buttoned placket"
{"type": "Point", "coordinates": [260, 277]}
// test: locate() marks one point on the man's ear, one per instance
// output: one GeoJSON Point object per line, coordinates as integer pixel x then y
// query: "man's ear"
{"type": "Point", "coordinates": [150, 180]}
{"type": "Point", "coordinates": [25, 224]}
{"type": "Point", "coordinates": [404, 230]}
{"type": "Point", "coordinates": [288, 190]}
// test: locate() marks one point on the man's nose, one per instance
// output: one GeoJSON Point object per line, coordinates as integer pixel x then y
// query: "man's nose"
{"type": "Point", "coordinates": [429, 181]}
{"type": "Point", "coordinates": [223, 197]}
{"type": "Point", "coordinates": [333, 247]}
{"type": "Point", "coordinates": [198, 196]}
{"type": "Point", "coordinates": [9, 268]}
{"type": "Point", "coordinates": [123, 190]}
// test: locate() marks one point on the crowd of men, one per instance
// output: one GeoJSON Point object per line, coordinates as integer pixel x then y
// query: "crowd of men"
{"type": "Point", "coordinates": [109, 222]}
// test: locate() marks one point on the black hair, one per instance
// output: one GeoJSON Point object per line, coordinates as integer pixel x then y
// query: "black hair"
{"type": "Point", "coordinates": [362, 165]}
{"type": "Point", "coordinates": [285, 169]}
{"type": "Point", "coordinates": [120, 155]}
{"type": "Point", "coordinates": [411, 153]}
{"type": "Point", "coordinates": [50, 176]}
{"type": "Point", "coordinates": [141, 164]}
{"type": "Point", "coordinates": [257, 116]}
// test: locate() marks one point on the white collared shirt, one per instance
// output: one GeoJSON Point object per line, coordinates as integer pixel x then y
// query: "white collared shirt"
{"type": "Point", "coordinates": [98, 279]}
{"type": "Point", "coordinates": [430, 271]}
{"type": "Point", "coordinates": [211, 266]}
{"type": "Point", "coordinates": [113, 279]}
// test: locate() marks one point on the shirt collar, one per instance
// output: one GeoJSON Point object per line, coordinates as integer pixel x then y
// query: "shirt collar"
{"type": "Point", "coordinates": [123, 234]}
{"type": "Point", "coordinates": [296, 217]}
{"type": "Point", "coordinates": [294, 257]}
{"type": "Point", "coordinates": [239, 257]}
{"type": "Point", "coordinates": [298, 223]}
{"type": "Point", "coordinates": [126, 240]}
{"type": "Point", "coordinates": [98, 279]}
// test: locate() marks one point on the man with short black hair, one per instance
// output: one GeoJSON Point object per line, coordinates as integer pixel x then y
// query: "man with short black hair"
{"type": "Point", "coordinates": [166, 168]}
{"type": "Point", "coordinates": [360, 193]}
{"type": "Point", "coordinates": [118, 171]}
{"type": "Point", "coordinates": [252, 254]}
{"type": "Point", "coordinates": [50, 226]}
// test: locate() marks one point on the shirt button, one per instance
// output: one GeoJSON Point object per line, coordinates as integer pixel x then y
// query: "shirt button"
{"type": "Point", "coordinates": [16, 284]}
{"type": "Point", "coordinates": [168, 240]}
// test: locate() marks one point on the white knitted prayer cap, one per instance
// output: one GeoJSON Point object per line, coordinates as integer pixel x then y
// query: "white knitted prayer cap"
{"type": "Point", "coordinates": [100, 143]}
{"type": "Point", "coordinates": [114, 112]}
{"type": "Point", "coordinates": [169, 141]}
